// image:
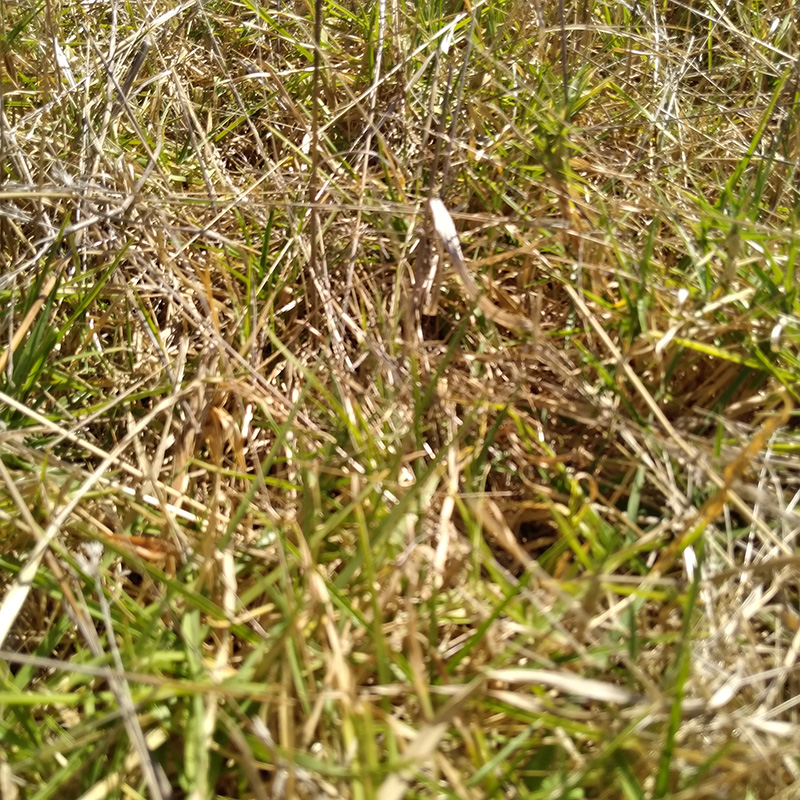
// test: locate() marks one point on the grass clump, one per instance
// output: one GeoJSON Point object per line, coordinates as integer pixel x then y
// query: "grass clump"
{"type": "Point", "coordinates": [288, 510]}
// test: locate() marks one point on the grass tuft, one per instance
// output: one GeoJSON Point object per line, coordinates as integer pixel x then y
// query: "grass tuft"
{"type": "Point", "coordinates": [307, 493]}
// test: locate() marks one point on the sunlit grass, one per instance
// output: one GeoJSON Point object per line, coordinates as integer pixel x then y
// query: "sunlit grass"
{"type": "Point", "coordinates": [357, 539]}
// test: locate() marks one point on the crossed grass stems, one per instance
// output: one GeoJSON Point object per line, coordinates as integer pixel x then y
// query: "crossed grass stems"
{"type": "Point", "coordinates": [352, 548]}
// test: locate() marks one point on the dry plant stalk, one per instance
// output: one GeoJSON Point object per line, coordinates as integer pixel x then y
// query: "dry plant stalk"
{"type": "Point", "coordinates": [26, 323]}
{"type": "Point", "coordinates": [446, 231]}
{"type": "Point", "coordinates": [715, 505]}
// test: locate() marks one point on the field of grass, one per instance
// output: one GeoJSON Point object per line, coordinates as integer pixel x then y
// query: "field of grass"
{"type": "Point", "coordinates": [303, 497]}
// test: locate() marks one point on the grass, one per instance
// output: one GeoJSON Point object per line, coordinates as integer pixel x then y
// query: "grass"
{"type": "Point", "coordinates": [285, 512]}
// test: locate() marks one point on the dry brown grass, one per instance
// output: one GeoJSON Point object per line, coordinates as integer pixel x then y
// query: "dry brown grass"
{"type": "Point", "coordinates": [285, 513]}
